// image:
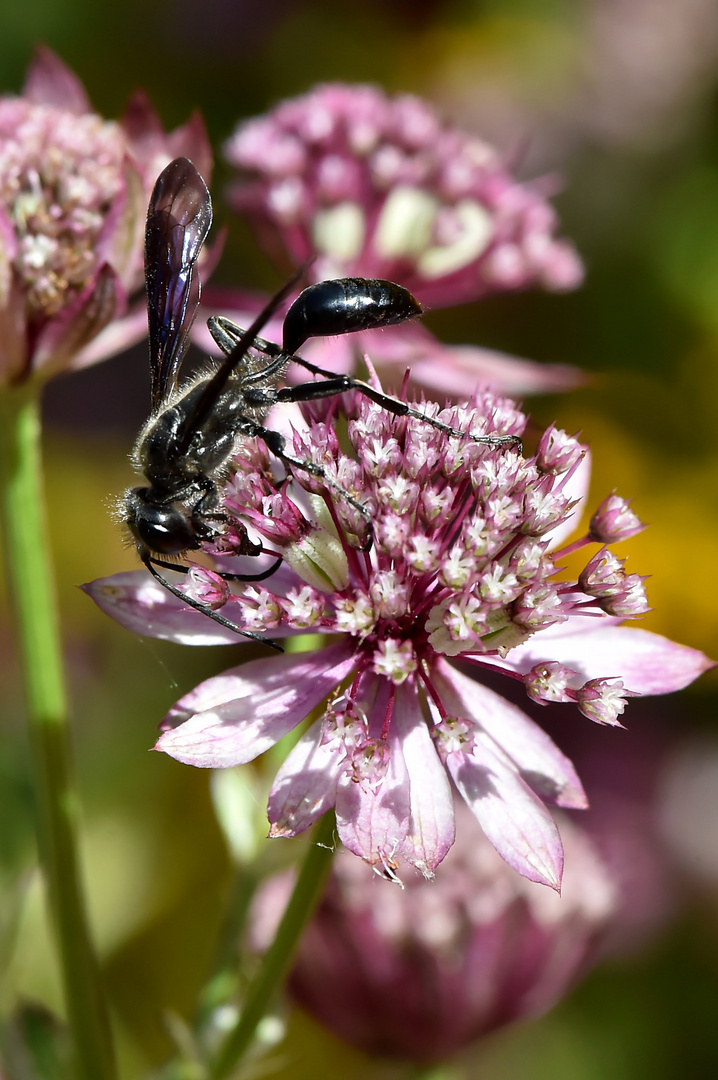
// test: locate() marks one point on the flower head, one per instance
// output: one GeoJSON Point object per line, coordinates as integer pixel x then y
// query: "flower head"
{"type": "Point", "coordinates": [73, 196]}
{"type": "Point", "coordinates": [420, 973]}
{"type": "Point", "coordinates": [379, 187]}
{"type": "Point", "coordinates": [414, 550]}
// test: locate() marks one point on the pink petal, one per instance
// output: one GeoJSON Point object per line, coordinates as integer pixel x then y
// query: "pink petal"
{"type": "Point", "coordinates": [121, 334]}
{"type": "Point", "coordinates": [153, 147]}
{"type": "Point", "coordinates": [138, 602]}
{"type": "Point", "coordinates": [120, 241]}
{"type": "Point", "coordinates": [237, 716]}
{"type": "Point", "coordinates": [142, 125]}
{"type": "Point", "coordinates": [576, 487]}
{"type": "Point", "coordinates": [374, 816]}
{"type": "Point", "coordinates": [79, 322]}
{"type": "Point", "coordinates": [515, 821]}
{"type": "Point", "coordinates": [191, 140]}
{"type": "Point", "coordinates": [432, 828]}
{"type": "Point", "coordinates": [457, 370]}
{"type": "Point", "coordinates": [305, 786]}
{"type": "Point", "coordinates": [537, 758]}
{"type": "Point", "coordinates": [648, 663]}
{"type": "Point", "coordinates": [408, 815]}
{"type": "Point", "coordinates": [51, 82]}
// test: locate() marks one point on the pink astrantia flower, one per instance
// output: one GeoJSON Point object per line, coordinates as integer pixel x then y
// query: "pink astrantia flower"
{"type": "Point", "coordinates": [462, 567]}
{"type": "Point", "coordinates": [421, 973]}
{"type": "Point", "coordinates": [73, 198]}
{"type": "Point", "coordinates": [372, 186]}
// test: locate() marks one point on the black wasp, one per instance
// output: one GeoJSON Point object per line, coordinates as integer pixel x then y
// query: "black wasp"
{"type": "Point", "coordinates": [187, 444]}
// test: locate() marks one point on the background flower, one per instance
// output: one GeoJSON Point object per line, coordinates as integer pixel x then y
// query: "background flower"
{"type": "Point", "coordinates": [420, 973]}
{"type": "Point", "coordinates": [73, 198]}
{"type": "Point", "coordinates": [357, 183]}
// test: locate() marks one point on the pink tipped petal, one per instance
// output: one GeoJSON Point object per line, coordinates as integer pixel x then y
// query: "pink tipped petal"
{"type": "Point", "coordinates": [373, 804]}
{"type": "Point", "coordinates": [432, 828]}
{"type": "Point", "coordinates": [141, 604]}
{"type": "Point", "coordinates": [141, 122]}
{"type": "Point", "coordinates": [50, 82]}
{"type": "Point", "coordinates": [305, 786]}
{"type": "Point", "coordinates": [469, 366]}
{"type": "Point", "coordinates": [409, 816]}
{"type": "Point", "coordinates": [239, 715]}
{"type": "Point", "coordinates": [647, 663]}
{"type": "Point", "coordinates": [192, 141]}
{"type": "Point", "coordinates": [540, 762]}
{"type": "Point", "coordinates": [121, 237]}
{"type": "Point", "coordinates": [373, 821]}
{"type": "Point", "coordinates": [456, 370]}
{"type": "Point", "coordinates": [153, 148]}
{"type": "Point", "coordinates": [79, 321]}
{"type": "Point", "coordinates": [515, 821]}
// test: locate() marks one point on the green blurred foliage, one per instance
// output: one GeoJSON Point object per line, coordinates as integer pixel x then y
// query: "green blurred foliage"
{"type": "Point", "coordinates": [644, 214]}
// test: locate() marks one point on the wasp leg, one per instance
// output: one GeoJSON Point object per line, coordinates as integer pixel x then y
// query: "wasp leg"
{"type": "Point", "coordinates": [339, 384]}
{"type": "Point", "coordinates": [205, 610]}
{"type": "Point", "coordinates": [182, 569]}
{"type": "Point", "coordinates": [276, 444]}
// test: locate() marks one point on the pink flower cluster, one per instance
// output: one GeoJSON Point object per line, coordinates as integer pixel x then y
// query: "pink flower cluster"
{"type": "Point", "coordinates": [349, 182]}
{"type": "Point", "coordinates": [380, 186]}
{"type": "Point", "coordinates": [463, 566]}
{"type": "Point", "coordinates": [420, 973]}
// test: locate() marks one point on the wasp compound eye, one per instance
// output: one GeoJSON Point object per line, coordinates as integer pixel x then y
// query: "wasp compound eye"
{"type": "Point", "coordinates": [167, 530]}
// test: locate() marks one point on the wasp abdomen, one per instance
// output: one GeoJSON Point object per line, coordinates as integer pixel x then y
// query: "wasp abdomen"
{"type": "Point", "coordinates": [345, 305]}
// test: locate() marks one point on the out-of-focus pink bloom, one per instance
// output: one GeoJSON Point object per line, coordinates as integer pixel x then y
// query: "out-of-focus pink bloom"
{"type": "Point", "coordinates": [378, 187]}
{"type": "Point", "coordinates": [421, 973]}
{"type": "Point", "coordinates": [73, 198]}
{"type": "Point", "coordinates": [689, 810]}
{"type": "Point", "coordinates": [464, 567]}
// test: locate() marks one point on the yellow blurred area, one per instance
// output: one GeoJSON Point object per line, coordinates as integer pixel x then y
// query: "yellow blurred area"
{"type": "Point", "coordinates": [671, 495]}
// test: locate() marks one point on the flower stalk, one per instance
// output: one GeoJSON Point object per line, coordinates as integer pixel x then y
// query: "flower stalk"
{"type": "Point", "coordinates": [278, 958]}
{"type": "Point", "coordinates": [30, 578]}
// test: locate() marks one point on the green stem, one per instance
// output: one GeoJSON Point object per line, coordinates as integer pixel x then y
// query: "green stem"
{"type": "Point", "coordinates": [277, 960]}
{"type": "Point", "coordinates": [32, 592]}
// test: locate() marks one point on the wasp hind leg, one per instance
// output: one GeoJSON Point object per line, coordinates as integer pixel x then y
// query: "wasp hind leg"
{"type": "Point", "coordinates": [339, 384]}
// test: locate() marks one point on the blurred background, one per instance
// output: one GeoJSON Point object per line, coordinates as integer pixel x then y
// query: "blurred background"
{"type": "Point", "coordinates": [618, 98]}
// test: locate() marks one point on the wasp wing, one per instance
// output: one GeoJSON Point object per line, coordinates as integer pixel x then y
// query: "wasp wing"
{"type": "Point", "coordinates": [178, 220]}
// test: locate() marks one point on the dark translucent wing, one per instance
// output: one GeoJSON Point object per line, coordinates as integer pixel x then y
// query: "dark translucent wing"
{"type": "Point", "coordinates": [178, 220]}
